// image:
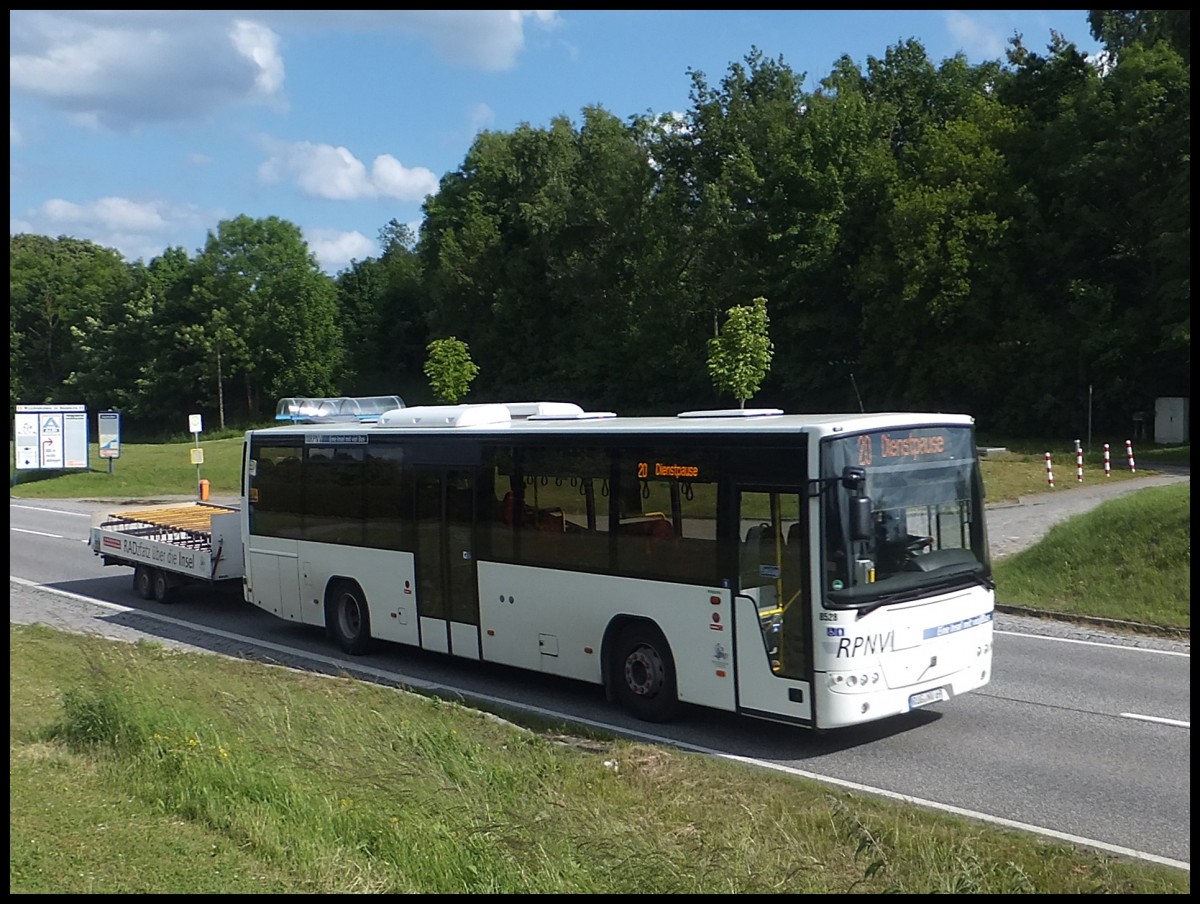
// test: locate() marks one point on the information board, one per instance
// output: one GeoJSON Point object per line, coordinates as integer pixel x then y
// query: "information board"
{"type": "Point", "coordinates": [108, 425]}
{"type": "Point", "coordinates": [50, 437]}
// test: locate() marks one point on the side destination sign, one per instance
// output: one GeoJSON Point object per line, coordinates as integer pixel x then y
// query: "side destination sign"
{"type": "Point", "coordinates": [335, 439]}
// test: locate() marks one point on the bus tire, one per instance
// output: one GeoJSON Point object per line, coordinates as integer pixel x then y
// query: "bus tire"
{"type": "Point", "coordinates": [644, 673]}
{"type": "Point", "coordinates": [348, 619]}
{"type": "Point", "coordinates": [163, 589]}
{"type": "Point", "coordinates": [143, 581]}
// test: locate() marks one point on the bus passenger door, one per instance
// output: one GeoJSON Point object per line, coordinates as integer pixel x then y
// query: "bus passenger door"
{"type": "Point", "coordinates": [773, 613]}
{"type": "Point", "coordinates": [447, 591]}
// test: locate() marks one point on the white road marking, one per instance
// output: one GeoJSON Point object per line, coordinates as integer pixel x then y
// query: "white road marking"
{"type": "Point", "coordinates": [1159, 719]}
{"type": "Point", "coordinates": [1095, 643]}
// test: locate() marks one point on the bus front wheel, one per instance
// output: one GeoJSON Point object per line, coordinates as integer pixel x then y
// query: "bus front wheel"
{"type": "Point", "coordinates": [348, 619]}
{"type": "Point", "coordinates": [644, 674]}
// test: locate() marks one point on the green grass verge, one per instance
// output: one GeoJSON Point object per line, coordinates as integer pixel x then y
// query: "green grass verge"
{"type": "Point", "coordinates": [1129, 559]}
{"type": "Point", "coordinates": [138, 770]}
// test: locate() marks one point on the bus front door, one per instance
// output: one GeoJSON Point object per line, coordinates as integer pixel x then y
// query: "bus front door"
{"type": "Point", "coordinates": [773, 612]}
{"type": "Point", "coordinates": [447, 591]}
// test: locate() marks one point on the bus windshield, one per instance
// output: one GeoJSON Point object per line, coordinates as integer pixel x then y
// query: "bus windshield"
{"type": "Point", "coordinates": [926, 532]}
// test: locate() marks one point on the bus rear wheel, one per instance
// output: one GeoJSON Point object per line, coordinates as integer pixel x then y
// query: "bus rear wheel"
{"type": "Point", "coordinates": [644, 674]}
{"type": "Point", "coordinates": [143, 581]}
{"type": "Point", "coordinates": [348, 618]}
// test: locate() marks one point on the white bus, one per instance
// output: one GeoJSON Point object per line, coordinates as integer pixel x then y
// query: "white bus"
{"type": "Point", "coordinates": [817, 570]}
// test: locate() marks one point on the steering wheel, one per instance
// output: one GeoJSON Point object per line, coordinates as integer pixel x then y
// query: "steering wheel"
{"type": "Point", "coordinates": [916, 545]}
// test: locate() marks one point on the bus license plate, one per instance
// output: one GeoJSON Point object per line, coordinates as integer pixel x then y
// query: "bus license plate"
{"type": "Point", "coordinates": [937, 695]}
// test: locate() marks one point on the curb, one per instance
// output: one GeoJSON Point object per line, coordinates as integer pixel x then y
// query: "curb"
{"type": "Point", "coordinates": [1112, 624]}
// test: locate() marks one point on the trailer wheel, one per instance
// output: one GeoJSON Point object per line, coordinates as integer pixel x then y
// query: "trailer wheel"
{"type": "Point", "coordinates": [162, 587]}
{"type": "Point", "coordinates": [143, 581]}
{"type": "Point", "coordinates": [348, 619]}
{"type": "Point", "coordinates": [644, 673]}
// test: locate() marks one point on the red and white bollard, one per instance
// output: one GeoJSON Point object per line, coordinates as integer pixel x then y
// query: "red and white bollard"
{"type": "Point", "coordinates": [1129, 454]}
{"type": "Point", "coordinates": [1049, 472]}
{"type": "Point", "coordinates": [1078, 461]}
{"type": "Point", "coordinates": [1107, 462]}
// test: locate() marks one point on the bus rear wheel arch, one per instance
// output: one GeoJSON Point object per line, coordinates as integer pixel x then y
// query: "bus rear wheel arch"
{"type": "Point", "coordinates": [642, 672]}
{"type": "Point", "coordinates": [347, 618]}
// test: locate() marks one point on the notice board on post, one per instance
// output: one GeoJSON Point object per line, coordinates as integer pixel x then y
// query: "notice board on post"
{"type": "Point", "coordinates": [50, 437]}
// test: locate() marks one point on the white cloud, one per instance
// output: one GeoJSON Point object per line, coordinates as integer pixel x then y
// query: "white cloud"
{"type": "Point", "coordinates": [481, 116]}
{"type": "Point", "coordinates": [107, 213]}
{"type": "Point", "coordinates": [119, 70]}
{"type": "Point", "coordinates": [490, 39]}
{"type": "Point", "coordinates": [126, 70]}
{"type": "Point", "coordinates": [261, 45]}
{"type": "Point", "coordinates": [978, 37]}
{"type": "Point", "coordinates": [137, 229]}
{"type": "Point", "coordinates": [337, 250]}
{"type": "Point", "coordinates": [335, 174]}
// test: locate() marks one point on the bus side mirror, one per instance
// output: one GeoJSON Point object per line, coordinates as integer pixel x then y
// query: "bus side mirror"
{"type": "Point", "coordinates": [861, 525]}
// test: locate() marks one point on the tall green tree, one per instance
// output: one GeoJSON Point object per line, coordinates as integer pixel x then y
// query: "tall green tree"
{"type": "Point", "coordinates": [1101, 202]}
{"type": "Point", "coordinates": [258, 281]}
{"type": "Point", "coordinates": [531, 250]}
{"type": "Point", "coordinates": [739, 358]}
{"type": "Point", "coordinates": [58, 288]}
{"type": "Point", "coordinates": [383, 315]}
{"type": "Point", "coordinates": [1118, 29]}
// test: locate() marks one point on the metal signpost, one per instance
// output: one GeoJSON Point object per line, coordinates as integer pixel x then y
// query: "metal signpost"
{"type": "Point", "coordinates": [195, 427]}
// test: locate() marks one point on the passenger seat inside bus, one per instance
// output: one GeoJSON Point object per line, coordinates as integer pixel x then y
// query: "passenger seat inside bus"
{"type": "Point", "coordinates": [550, 520]}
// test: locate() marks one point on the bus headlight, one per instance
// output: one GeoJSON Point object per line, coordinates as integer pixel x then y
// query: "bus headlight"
{"type": "Point", "coordinates": [858, 682]}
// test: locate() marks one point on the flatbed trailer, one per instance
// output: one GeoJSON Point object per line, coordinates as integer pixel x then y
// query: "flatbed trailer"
{"type": "Point", "coordinates": [172, 546]}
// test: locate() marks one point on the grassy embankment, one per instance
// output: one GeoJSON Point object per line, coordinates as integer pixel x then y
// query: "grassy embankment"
{"type": "Point", "coordinates": [137, 770]}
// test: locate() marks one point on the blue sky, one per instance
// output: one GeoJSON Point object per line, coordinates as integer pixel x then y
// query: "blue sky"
{"type": "Point", "coordinates": [144, 130]}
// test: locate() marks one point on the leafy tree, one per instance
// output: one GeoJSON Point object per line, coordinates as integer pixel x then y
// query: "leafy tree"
{"type": "Point", "coordinates": [532, 248]}
{"type": "Point", "coordinates": [1101, 238]}
{"type": "Point", "coordinates": [450, 369]}
{"type": "Point", "coordinates": [58, 287]}
{"type": "Point", "coordinates": [1119, 29]}
{"type": "Point", "coordinates": [258, 282]}
{"type": "Point", "coordinates": [740, 357]}
{"type": "Point", "coordinates": [383, 317]}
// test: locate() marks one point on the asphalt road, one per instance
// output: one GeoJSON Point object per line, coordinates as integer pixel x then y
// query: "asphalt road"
{"type": "Point", "coordinates": [1082, 735]}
